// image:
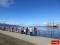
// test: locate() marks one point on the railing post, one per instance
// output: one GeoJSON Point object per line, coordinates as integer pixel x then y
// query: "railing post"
{"type": "Point", "coordinates": [39, 32]}
{"type": "Point", "coordinates": [51, 34]}
{"type": "Point", "coordinates": [45, 33]}
{"type": "Point", "coordinates": [59, 35]}
{"type": "Point", "coordinates": [18, 30]}
{"type": "Point", "coordinates": [11, 30]}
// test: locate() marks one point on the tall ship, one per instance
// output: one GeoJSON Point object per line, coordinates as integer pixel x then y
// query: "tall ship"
{"type": "Point", "coordinates": [51, 24]}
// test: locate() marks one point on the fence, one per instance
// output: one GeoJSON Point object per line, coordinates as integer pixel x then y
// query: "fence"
{"type": "Point", "coordinates": [50, 34]}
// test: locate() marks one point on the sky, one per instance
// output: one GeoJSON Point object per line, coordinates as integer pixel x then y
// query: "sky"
{"type": "Point", "coordinates": [28, 12]}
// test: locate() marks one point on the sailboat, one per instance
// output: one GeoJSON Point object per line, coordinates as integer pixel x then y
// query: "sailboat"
{"type": "Point", "coordinates": [49, 25]}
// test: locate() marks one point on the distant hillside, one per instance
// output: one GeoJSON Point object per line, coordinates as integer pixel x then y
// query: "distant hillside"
{"type": "Point", "coordinates": [3, 24]}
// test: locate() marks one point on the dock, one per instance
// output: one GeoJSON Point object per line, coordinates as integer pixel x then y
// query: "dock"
{"type": "Point", "coordinates": [52, 26]}
{"type": "Point", "coordinates": [32, 39]}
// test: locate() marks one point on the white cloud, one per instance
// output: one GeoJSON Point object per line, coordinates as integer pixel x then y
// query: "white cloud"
{"type": "Point", "coordinates": [6, 3]}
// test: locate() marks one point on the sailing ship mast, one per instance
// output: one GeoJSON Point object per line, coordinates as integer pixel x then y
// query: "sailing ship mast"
{"type": "Point", "coordinates": [50, 22]}
{"type": "Point", "coordinates": [53, 22]}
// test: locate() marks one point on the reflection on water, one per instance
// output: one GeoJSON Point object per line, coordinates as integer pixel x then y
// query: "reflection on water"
{"type": "Point", "coordinates": [53, 29]}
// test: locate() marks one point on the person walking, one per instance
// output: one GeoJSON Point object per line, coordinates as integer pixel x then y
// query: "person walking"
{"type": "Point", "coordinates": [16, 29]}
{"type": "Point", "coordinates": [27, 31]}
{"type": "Point", "coordinates": [35, 31]}
{"type": "Point", "coordinates": [30, 31]}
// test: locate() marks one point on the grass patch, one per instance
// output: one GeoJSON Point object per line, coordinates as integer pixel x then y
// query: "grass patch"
{"type": "Point", "coordinates": [8, 40]}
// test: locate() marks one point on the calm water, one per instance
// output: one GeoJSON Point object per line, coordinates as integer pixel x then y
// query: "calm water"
{"type": "Point", "coordinates": [44, 31]}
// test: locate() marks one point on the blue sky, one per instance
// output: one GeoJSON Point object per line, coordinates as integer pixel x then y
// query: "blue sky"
{"type": "Point", "coordinates": [30, 11]}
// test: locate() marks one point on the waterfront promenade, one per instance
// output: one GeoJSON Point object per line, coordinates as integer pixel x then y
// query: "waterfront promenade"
{"type": "Point", "coordinates": [35, 40]}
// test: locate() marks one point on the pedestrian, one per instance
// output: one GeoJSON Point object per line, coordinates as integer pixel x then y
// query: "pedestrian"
{"type": "Point", "coordinates": [35, 31]}
{"type": "Point", "coordinates": [30, 31]}
{"type": "Point", "coordinates": [27, 31]}
{"type": "Point", "coordinates": [21, 30]}
{"type": "Point", "coordinates": [16, 29]}
{"type": "Point", "coordinates": [9, 28]}
{"type": "Point", "coordinates": [12, 29]}
{"type": "Point", "coordinates": [24, 30]}
{"type": "Point", "coordinates": [2, 28]}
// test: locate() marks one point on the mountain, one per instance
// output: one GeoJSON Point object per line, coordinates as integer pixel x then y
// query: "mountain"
{"type": "Point", "coordinates": [4, 24]}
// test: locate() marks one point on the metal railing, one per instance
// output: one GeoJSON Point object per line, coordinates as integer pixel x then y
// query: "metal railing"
{"type": "Point", "coordinates": [50, 34]}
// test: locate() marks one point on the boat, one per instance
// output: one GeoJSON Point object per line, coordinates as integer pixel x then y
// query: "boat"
{"type": "Point", "coordinates": [49, 25]}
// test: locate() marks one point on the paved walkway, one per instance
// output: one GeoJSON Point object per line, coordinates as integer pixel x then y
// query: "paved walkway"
{"type": "Point", "coordinates": [36, 40]}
